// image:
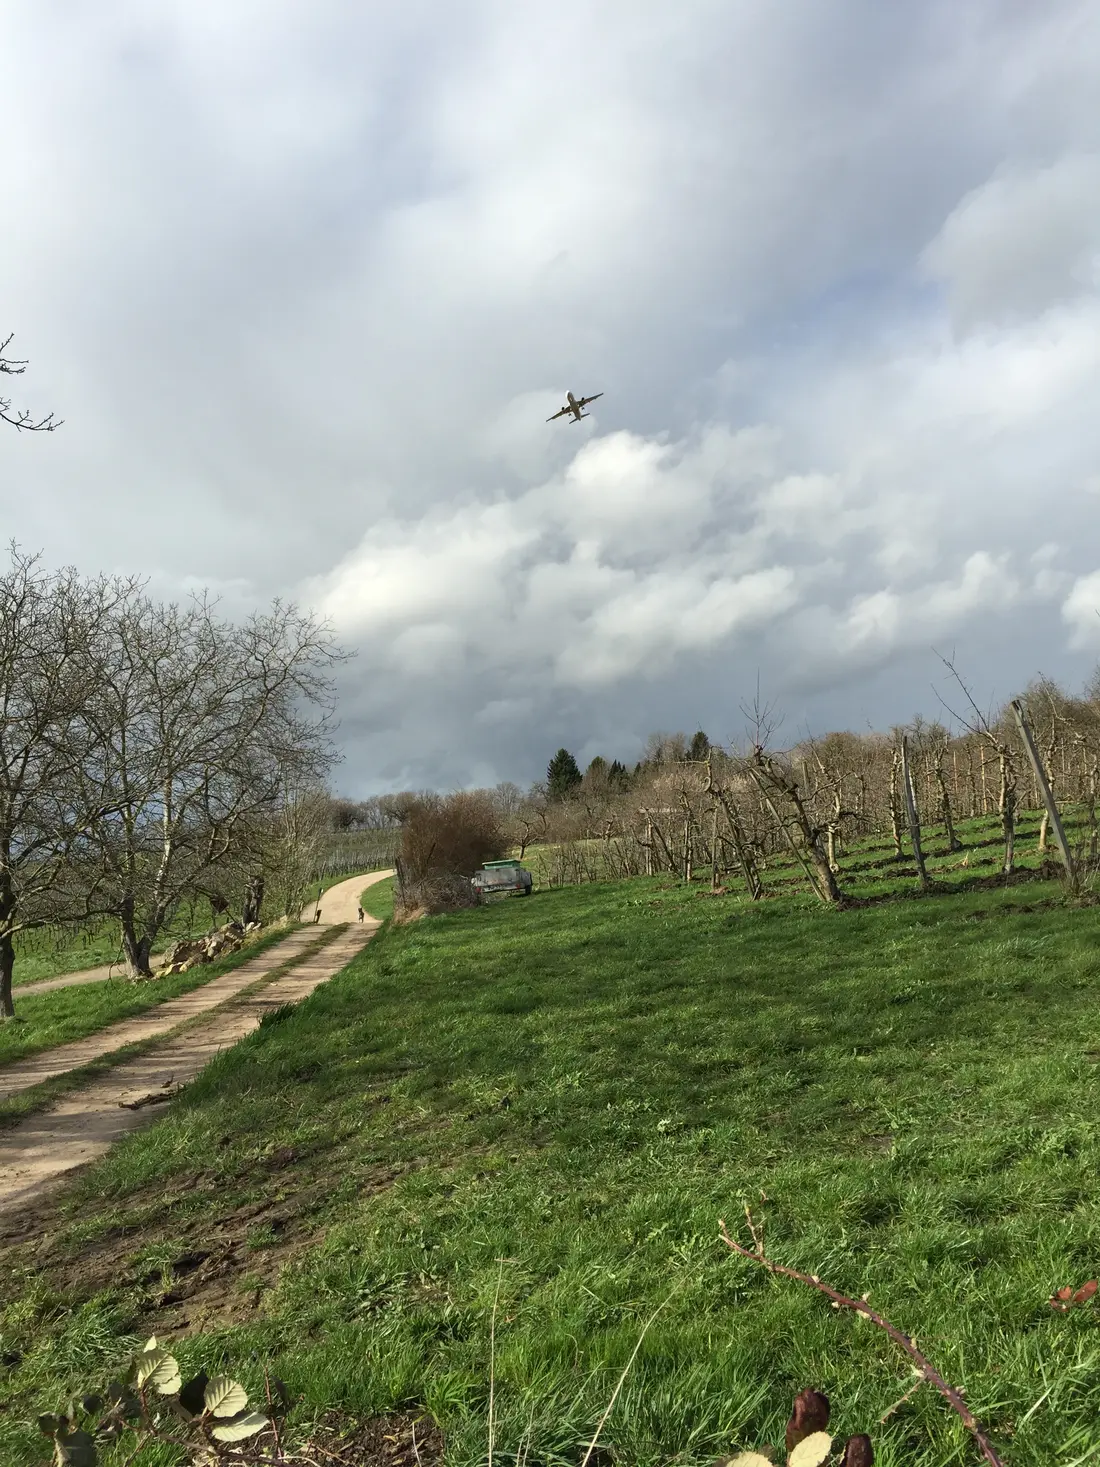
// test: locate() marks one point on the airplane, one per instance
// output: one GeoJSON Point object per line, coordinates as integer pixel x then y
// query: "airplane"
{"type": "Point", "coordinates": [574, 406]}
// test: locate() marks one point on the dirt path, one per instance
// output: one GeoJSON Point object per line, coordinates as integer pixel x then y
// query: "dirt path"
{"type": "Point", "coordinates": [38, 1067]}
{"type": "Point", "coordinates": [36, 1154]}
{"type": "Point", "coordinates": [341, 902]}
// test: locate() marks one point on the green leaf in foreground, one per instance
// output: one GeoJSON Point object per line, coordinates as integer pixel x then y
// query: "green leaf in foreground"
{"type": "Point", "coordinates": [225, 1397]}
{"type": "Point", "coordinates": [244, 1426]}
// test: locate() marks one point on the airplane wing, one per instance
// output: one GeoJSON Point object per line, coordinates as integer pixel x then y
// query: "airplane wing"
{"type": "Point", "coordinates": [560, 414]}
{"type": "Point", "coordinates": [586, 400]}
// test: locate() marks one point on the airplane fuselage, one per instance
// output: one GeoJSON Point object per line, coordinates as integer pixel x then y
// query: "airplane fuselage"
{"type": "Point", "coordinates": [574, 408]}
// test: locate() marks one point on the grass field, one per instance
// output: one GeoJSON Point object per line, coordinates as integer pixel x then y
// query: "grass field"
{"type": "Point", "coordinates": [867, 867]}
{"type": "Point", "coordinates": [47, 1019]}
{"type": "Point", "coordinates": [560, 1098]}
{"type": "Point", "coordinates": [377, 900]}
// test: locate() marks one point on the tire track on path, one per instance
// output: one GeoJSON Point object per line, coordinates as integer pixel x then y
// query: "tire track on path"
{"type": "Point", "coordinates": [48, 1063]}
{"type": "Point", "coordinates": [37, 1154]}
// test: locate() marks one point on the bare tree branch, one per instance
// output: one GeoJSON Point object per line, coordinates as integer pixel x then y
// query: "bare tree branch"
{"type": "Point", "coordinates": [927, 1370]}
{"type": "Point", "coordinates": [25, 421]}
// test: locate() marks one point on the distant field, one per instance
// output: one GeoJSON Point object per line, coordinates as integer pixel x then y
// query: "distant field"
{"type": "Point", "coordinates": [868, 867]}
{"type": "Point", "coordinates": [377, 900]}
{"type": "Point", "coordinates": [558, 1099]}
{"type": "Point", "coordinates": [47, 952]}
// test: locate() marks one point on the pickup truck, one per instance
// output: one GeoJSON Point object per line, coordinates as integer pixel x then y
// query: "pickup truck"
{"type": "Point", "coordinates": [502, 878]}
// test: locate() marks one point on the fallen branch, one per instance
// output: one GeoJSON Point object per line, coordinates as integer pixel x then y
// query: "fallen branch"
{"type": "Point", "coordinates": [860, 1306]}
{"type": "Point", "coordinates": [158, 1097]}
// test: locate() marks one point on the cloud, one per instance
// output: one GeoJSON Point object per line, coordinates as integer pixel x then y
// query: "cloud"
{"type": "Point", "coordinates": [1023, 241]}
{"type": "Point", "coordinates": [1081, 609]}
{"type": "Point", "coordinates": [305, 281]}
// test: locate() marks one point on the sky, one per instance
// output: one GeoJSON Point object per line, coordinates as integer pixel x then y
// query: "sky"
{"type": "Point", "coordinates": [304, 278]}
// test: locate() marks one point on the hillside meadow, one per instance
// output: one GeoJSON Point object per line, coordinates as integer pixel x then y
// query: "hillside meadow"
{"type": "Point", "coordinates": [551, 1103]}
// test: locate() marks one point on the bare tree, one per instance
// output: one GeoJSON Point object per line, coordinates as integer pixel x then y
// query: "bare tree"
{"type": "Point", "coordinates": [932, 742]}
{"type": "Point", "coordinates": [24, 420]}
{"type": "Point", "coordinates": [996, 738]}
{"type": "Point", "coordinates": [202, 726]}
{"type": "Point", "coordinates": [51, 625]}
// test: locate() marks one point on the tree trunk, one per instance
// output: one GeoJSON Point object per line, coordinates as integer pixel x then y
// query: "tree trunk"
{"type": "Point", "coordinates": [953, 841]}
{"type": "Point", "coordinates": [741, 849]}
{"type": "Point", "coordinates": [971, 786]}
{"type": "Point", "coordinates": [7, 968]}
{"type": "Point", "coordinates": [821, 876]}
{"type": "Point", "coordinates": [1006, 802]}
{"type": "Point", "coordinates": [254, 900]}
{"type": "Point", "coordinates": [1042, 779]}
{"type": "Point", "coordinates": [911, 811]}
{"type": "Point", "coordinates": [135, 949]}
{"type": "Point", "coordinates": [895, 806]}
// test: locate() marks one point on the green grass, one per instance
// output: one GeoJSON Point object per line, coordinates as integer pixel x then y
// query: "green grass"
{"type": "Point", "coordinates": [581, 1085]}
{"type": "Point", "coordinates": [316, 888]}
{"type": "Point", "coordinates": [45, 1020]}
{"type": "Point", "coordinates": [377, 900]}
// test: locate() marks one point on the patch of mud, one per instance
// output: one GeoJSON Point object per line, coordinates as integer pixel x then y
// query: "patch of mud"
{"type": "Point", "coordinates": [405, 1440]}
{"type": "Point", "coordinates": [187, 1274]}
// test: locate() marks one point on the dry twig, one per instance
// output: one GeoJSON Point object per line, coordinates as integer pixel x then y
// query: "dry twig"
{"type": "Point", "coordinates": [860, 1306]}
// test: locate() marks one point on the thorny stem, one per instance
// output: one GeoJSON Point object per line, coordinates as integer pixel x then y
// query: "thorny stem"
{"type": "Point", "coordinates": [910, 1392]}
{"type": "Point", "coordinates": [271, 1416]}
{"type": "Point", "coordinates": [860, 1306]}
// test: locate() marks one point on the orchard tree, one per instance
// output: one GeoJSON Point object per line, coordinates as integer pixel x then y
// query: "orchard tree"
{"type": "Point", "coordinates": [53, 626]}
{"type": "Point", "coordinates": [201, 728]}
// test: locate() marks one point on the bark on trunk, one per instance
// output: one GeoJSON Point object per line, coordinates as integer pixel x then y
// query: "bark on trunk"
{"type": "Point", "coordinates": [7, 968]}
{"type": "Point", "coordinates": [953, 841]}
{"type": "Point", "coordinates": [1007, 805]}
{"type": "Point", "coordinates": [254, 900]}
{"type": "Point", "coordinates": [135, 949]}
{"type": "Point", "coordinates": [895, 806]}
{"type": "Point", "coordinates": [911, 811]}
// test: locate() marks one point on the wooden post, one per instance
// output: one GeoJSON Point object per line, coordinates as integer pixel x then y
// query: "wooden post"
{"type": "Point", "coordinates": [715, 873]}
{"type": "Point", "coordinates": [649, 848]}
{"type": "Point", "coordinates": [911, 811]}
{"type": "Point", "coordinates": [1047, 793]}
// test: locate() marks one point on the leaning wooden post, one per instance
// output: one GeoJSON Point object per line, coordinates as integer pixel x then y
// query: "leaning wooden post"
{"type": "Point", "coordinates": [911, 812]}
{"type": "Point", "coordinates": [1046, 791]}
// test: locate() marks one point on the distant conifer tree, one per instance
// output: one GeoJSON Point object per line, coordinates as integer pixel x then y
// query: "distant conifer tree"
{"type": "Point", "coordinates": [700, 746]}
{"type": "Point", "coordinates": [562, 775]}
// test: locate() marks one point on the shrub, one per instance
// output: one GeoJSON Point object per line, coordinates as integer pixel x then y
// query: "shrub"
{"type": "Point", "coordinates": [444, 839]}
